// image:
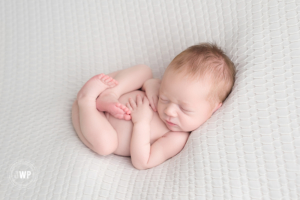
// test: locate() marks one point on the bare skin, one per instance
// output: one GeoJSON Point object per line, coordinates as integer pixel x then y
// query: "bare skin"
{"type": "Point", "coordinates": [91, 125]}
{"type": "Point", "coordinates": [147, 129]}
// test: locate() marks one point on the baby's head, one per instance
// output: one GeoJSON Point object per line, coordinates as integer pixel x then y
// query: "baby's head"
{"type": "Point", "coordinates": [194, 86]}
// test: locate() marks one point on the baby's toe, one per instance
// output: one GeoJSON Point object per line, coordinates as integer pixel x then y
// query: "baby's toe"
{"type": "Point", "coordinates": [111, 83]}
{"type": "Point", "coordinates": [119, 116]}
{"type": "Point", "coordinates": [100, 76]}
{"type": "Point", "coordinates": [119, 105]}
{"type": "Point", "coordinates": [126, 110]}
{"type": "Point", "coordinates": [105, 78]}
{"type": "Point", "coordinates": [127, 117]}
{"type": "Point", "coordinates": [116, 82]}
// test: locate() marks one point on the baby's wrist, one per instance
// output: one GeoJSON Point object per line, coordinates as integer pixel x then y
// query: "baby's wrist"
{"type": "Point", "coordinates": [144, 87]}
{"type": "Point", "coordinates": [147, 83]}
{"type": "Point", "coordinates": [142, 122]}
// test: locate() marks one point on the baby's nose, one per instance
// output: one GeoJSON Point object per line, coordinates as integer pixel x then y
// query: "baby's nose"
{"type": "Point", "coordinates": [170, 111]}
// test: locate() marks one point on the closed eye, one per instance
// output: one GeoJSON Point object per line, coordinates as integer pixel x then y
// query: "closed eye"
{"type": "Point", "coordinates": [163, 100]}
{"type": "Point", "coordinates": [185, 110]}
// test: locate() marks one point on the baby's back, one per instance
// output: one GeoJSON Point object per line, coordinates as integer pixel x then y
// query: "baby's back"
{"type": "Point", "coordinates": [124, 128]}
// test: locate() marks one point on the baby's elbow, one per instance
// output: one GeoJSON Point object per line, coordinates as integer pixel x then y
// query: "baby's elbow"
{"type": "Point", "coordinates": [148, 70]}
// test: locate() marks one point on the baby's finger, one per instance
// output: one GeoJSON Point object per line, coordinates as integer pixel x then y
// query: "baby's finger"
{"type": "Point", "coordinates": [150, 101]}
{"type": "Point", "coordinates": [138, 99]}
{"type": "Point", "coordinates": [132, 103]}
{"type": "Point", "coordinates": [155, 103]}
{"type": "Point", "coordinates": [151, 104]}
{"type": "Point", "coordinates": [146, 100]}
{"type": "Point", "coordinates": [128, 106]}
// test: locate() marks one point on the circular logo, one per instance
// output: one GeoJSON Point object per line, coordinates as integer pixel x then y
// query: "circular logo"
{"type": "Point", "coordinates": [22, 173]}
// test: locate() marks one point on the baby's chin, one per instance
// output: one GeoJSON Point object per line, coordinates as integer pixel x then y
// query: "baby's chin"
{"type": "Point", "coordinates": [179, 128]}
{"type": "Point", "coordinates": [173, 127]}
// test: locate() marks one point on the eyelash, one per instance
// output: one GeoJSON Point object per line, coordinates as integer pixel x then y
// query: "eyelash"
{"type": "Point", "coordinates": [162, 99]}
{"type": "Point", "coordinates": [185, 110]}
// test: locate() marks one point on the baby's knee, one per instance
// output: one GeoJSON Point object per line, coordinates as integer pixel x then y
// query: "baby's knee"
{"type": "Point", "coordinates": [74, 111]}
{"type": "Point", "coordinates": [145, 67]}
{"type": "Point", "coordinates": [104, 148]}
{"type": "Point", "coordinates": [75, 104]}
{"type": "Point", "coordinates": [146, 70]}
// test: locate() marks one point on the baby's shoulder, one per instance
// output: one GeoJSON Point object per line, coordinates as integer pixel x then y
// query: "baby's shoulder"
{"type": "Point", "coordinates": [177, 135]}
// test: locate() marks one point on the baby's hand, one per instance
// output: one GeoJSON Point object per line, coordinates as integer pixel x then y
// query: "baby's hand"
{"type": "Point", "coordinates": [141, 110]}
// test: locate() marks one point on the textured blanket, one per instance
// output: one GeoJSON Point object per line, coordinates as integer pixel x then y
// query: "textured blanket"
{"type": "Point", "coordinates": [248, 149]}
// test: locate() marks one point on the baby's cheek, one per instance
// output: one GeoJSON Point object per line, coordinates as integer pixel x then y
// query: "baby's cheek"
{"type": "Point", "coordinates": [159, 109]}
{"type": "Point", "coordinates": [188, 123]}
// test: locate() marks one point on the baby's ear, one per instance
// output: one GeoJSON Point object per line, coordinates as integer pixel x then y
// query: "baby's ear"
{"type": "Point", "coordinates": [217, 107]}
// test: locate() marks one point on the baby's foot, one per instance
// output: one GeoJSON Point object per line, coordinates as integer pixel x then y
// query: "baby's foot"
{"type": "Point", "coordinates": [93, 87]}
{"type": "Point", "coordinates": [109, 102]}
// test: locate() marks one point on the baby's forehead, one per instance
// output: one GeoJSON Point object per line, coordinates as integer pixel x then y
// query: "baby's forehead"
{"type": "Point", "coordinates": [192, 90]}
{"type": "Point", "coordinates": [191, 101]}
{"type": "Point", "coordinates": [188, 95]}
{"type": "Point", "coordinates": [188, 75]}
{"type": "Point", "coordinates": [198, 82]}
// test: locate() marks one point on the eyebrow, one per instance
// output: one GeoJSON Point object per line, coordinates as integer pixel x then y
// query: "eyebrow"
{"type": "Point", "coordinates": [181, 102]}
{"type": "Point", "coordinates": [185, 104]}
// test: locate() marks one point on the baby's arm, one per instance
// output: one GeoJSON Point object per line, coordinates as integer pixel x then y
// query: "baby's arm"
{"type": "Point", "coordinates": [151, 88]}
{"type": "Point", "coordinates": [144, 155]}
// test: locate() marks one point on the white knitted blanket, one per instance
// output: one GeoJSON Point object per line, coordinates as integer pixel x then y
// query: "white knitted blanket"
{"type": "Point", "coordinates": [249, 149]}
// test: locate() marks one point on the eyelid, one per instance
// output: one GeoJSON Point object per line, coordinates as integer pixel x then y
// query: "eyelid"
{"type": "Point", "coordinates": [180, 106]}
{"type": "Point", "coordinates": [185, 110]}
{"type": "Point", "coordinates": [162, 99]}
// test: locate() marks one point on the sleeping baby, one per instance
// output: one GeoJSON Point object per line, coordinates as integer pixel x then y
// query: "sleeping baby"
{"type": "Point", "coordinates": [129, 113]}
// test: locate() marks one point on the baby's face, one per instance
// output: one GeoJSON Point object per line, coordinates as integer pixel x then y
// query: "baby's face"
{"type": "Point", "coordinates": [183, 103]}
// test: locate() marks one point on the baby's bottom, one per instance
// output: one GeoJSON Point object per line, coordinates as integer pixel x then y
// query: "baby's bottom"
{"type": "Point", "coordinates": [75, 118]}
{"type": "Point", "coordinates": [91, 126]}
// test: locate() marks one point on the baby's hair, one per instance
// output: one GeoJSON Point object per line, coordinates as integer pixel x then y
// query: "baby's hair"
{"type": "Point", "coordinates": [207, 62]}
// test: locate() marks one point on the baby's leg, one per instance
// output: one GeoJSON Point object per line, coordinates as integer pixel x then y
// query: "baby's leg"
{"type": "Point", "coordinates": [94, 130]}
{"type": "Point", "coordinates": [129, 79]}
{"type": "Point", "coordinates": [76, 124]}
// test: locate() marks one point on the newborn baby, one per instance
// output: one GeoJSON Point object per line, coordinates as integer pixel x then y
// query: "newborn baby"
{"type": "Point", "coordinates": [129, 113]}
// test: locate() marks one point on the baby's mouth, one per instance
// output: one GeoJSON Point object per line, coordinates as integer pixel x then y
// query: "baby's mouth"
{"type": "Point", "coordinates": [170, 123]}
